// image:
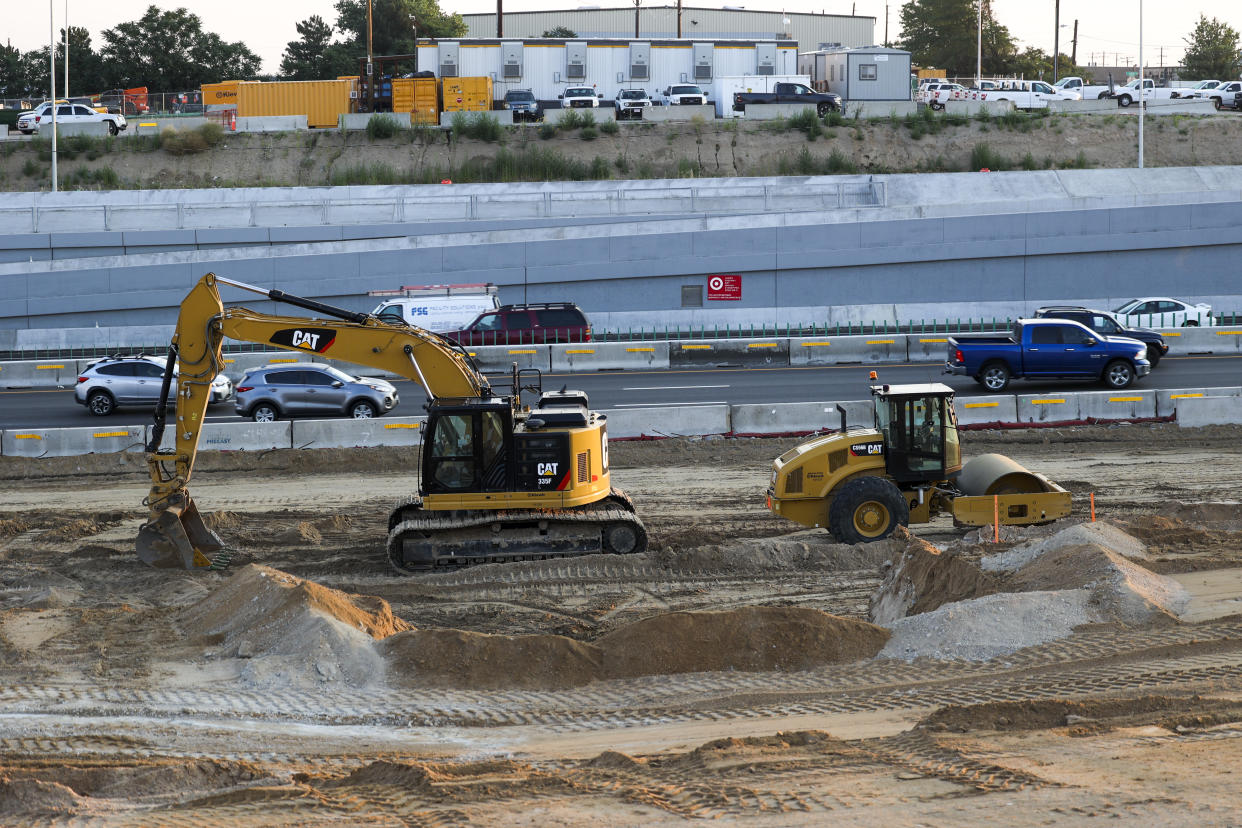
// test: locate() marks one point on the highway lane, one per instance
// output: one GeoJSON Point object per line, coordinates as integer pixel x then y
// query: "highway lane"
{"type": "Point", "coordinates": [54, 408]}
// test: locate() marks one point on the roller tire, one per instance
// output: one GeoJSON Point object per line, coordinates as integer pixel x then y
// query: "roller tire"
{"type": "Point", "coordinates": [867, 509]}
{"type": "Point", "coordinates": [995, 376]}
{"type": "Point", "coordinates": [1118, 374]}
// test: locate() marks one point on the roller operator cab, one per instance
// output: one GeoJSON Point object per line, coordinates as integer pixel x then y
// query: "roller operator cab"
{"type": "Point", "coordinates": [862, 483]}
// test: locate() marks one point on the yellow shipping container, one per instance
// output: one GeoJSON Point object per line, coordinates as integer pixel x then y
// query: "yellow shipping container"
{"type": "Point", "coordinates": [220, 94]}
{"type": "Point", "coordinates": [418, 96]}
{"type": "Point", "coordinates": [466, 94]}
{"type": "Point", "coordinates": [322, 102]}
{"type": "Point", "coordinates": [930, 73]}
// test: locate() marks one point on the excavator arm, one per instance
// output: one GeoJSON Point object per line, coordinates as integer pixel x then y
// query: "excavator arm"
{"type": "Point", "coordinates": [175, 535]}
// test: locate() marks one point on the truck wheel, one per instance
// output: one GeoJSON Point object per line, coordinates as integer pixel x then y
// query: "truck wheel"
{"type": "Point", "coordinates": [1101, 96]}
{"type": "Point", "coordinates": [112, 130]}
{"type": "Point", "coordinates": [1216, 103]}
{"type": "Point", "coordinates": [1190, 323]}
{"type": "Point", "coordinates": [995, 376]}
{"type": "Point", "coordinates": [936, 106]}
{"type": "Point", "coordinates": [867, 509]}
{"type": "Point", "coordinates": [1123, 101]}
{"type": "Point", "coordinates": [1153, 356]}
{"type": "Point", "coordinates": [823, 109]}
{"type": "Point", "coordinates": [1118, 374]}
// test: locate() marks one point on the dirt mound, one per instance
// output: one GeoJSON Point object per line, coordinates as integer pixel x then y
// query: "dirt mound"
{"type": "Point", "coordinates": [122, 781]}
{"type": "Point", "coordinates": [79, 528]}
{"type": "Point", "coordinates": [30, 797]}
{"type": "Point", "coordinates": [302, 532]}
{"type": "Point", "coordinates": [925, 578]}
{"type": "Point", "coordinates": [292, 630]}
{"type": "Point", "coordinates": [1207, 512]}
{"type": "Point", "coordinates": [221, 520]}
{"type": "Point", "coordinates": [411, 777]}
{"type": "Point", "coordinates": [750, 638]}
{"type": "Point", "coordinates": [808, 550]}
{"type": "Point", "coordinates": [456, 658]}
{"type": "Point", "coordinates": [1041, 714]}
{"type": "Point", "coordinates": [13, 526]}
{"type": "Point", "coordinates": [1101, 533]}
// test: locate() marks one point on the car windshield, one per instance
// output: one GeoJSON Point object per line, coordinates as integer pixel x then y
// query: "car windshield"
{"type": "Point", "coordinates": [336, 373]}
{"type": "Point", "coordinates": [580, 92]}
{"type": "Point", "coordinates": [633, 95]}
{"type": "Point", "coordinates": [687, 90]}
{"type": "Point", "coordinates": [1061, 83]}
{"type": "Point", "coordinates": [1126, 307]}
{"type": "Point", "coordinates": [520, 96]}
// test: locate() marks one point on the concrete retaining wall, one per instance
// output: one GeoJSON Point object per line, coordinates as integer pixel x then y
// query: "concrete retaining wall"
{"type": "Point", "coordinates": [154, 126]}
{"type": "Point", "coordinates": [770, 112]}
{"type": "Point", "coordinates": [272, 123]}
{"type": "Point", "coordinates": [39, 374]}
{"type": "Point", "coordinates": [680, 113]}
{"type": "Point", "coordinates": [380, 431]}
{"type": "Point", "coordinates": [1116, 405]}
{"type": "Point", "coordinates": [879, 109]}
{"type": "Point", "coordinates": [236, 436]}
{"type": "Point", "coordinates": [1090, 105]}
{"type": "Point", "coordinates": [842, 350]}
{"type": "Point", "coordinates": [1206, 411]}
{"type": "Point", "coordinates": [973, 108]}
{"type": "Point", "coordinates": [1051, 407]}
{"type": "Point", "coordinates": [504, 116]}
{"type": "Point", "coordinates": [1168, 400]}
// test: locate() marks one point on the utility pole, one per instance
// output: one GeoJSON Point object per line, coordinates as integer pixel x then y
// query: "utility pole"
{"type": "Point", "coordinates": [51, 58]}
{"type": "Point", "coordinates": [885, 25]}
{"type": "Point", "coordinates": [66, 48]}
{"type": "Point", "coordinates": [1056, 41]}
{"type": "Point", "coordinates": [370, 65]}
{"type": "Point", "coordinates": [500, 18]}
{"type": "Point", "coordinates": [1142, 92]}
{"type": "Point", "coordinates": [1074, 53]}
{"type": "Point", "coordinates": [979, 50]}
{"type": "Point", "coordinates": [679, 19]}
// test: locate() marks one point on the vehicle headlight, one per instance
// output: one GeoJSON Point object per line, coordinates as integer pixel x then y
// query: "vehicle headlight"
{"type": "Point", "coordinates": [379, 388]}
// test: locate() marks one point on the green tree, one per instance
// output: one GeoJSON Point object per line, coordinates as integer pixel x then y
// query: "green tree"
{"type": "Point", "coordinates": [14, 82]}
{"type": "Point", "coordinates": [309, 57]}
{"type": "Point", "coordinates": [559, 31]}
{"type": "Point", "coordinates": [943, 34]}
{"type": "Point", "coordinates": [169, 51]}
{"type": "Point", "coordinates": [85, 67]}
{"type": "Point", "coordinates": [1212, 51]}
{"type": "Point", "coordinates": [394, 24]}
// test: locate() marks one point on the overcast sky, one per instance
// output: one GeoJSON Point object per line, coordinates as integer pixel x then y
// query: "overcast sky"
{"type": "Point", "coordinates": [1105, 26]}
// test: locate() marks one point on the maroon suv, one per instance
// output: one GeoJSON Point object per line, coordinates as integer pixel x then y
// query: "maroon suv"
{"type": "Point", "coordinates": [545, 322]}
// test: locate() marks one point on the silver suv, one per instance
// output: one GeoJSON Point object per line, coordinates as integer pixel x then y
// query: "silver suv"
{"type": "Point", "coordinates": [112, 381]}
{"type": "Point", "coordinates": [309, 388]}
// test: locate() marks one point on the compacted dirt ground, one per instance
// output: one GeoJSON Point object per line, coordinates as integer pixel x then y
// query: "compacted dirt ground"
{"type": "Point", "coordinates": [731, 672]}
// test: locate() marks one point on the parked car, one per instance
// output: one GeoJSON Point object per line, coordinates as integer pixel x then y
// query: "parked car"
{"type": "Point", "coordinates": [1163, 312]}
{"type": "Point", "coordinates": [1025, 94]}
{"type": "Point", "coordinates": [525, 324]}
{"type": "Point", "coordinates": [68, 113]}
{"type": "Point", "coordinates": [576, 97]}
{"type": "Point", "coordinates": [302, 389]}
{"type": "Point", "coordinates": [630, 103]}
{"type": "Point", "coordinates": [683, 94]}
{"type": "Point", "coordinates": [523, 105]}
{"type": "Point", "coordinates": [790, 93]}
{"type": "Point", "coordinates": [1188, 91]}
{"type": "Point", "coordinates": [1046, 349]}
{"type": "Point", "coordinates": [1105, 324]}
{"type": "Point", "coordinates": [1221, 95]}
{"type": "Point", "coordinates": [936, 95]}
{"type": "Point", "coordinates": [115, 381]}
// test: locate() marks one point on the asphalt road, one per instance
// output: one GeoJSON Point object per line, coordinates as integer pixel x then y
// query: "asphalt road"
{"type": "Point", "coordinates": [642, 389]}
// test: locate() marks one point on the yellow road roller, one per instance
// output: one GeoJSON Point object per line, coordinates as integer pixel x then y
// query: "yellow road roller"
{"type": "Point", "coordinates": [862, 483]}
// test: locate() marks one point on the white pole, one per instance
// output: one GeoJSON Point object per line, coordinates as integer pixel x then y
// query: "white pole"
{"type": "Point", "coordinates": [66, 48]}
{"type": "Point", "coordinates": [51, 58]}
{"type": "Point", "coordinates": [1142, 96]}
{"type": "Point", "coordinates": [979, 51]}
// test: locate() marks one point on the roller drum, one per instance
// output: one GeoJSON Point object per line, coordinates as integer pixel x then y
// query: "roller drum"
{"type": "Point", "coordinates": [996, 474]}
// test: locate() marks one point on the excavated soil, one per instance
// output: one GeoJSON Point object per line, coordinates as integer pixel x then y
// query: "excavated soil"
{"type": "Point", "coordinates": [740, 669]}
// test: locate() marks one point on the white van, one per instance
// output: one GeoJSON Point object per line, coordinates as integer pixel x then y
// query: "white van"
{"type": "Point", "coordinates": [437, 308]}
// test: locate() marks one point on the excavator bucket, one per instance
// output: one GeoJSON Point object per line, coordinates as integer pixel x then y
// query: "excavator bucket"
{"type": "Point", "coordinates": [178, 538]}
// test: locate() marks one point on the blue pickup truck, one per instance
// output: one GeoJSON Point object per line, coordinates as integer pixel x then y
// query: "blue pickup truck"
{"type": "Point", "coordinates": [1047, 348]}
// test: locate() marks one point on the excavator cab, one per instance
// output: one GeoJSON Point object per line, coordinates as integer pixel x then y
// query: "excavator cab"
{"type": "Point", "coordinates": [467, 446]}
{"type": "Point", "coordinates": [920, 432]}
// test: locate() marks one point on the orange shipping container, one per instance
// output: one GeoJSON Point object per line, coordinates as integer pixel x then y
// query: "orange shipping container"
{"type": "Point", "coordinates": [220, 94]}
{"type": "Point", "coordinates": [322, 102]}
{"type": "Point", "coordinates": [466, 94]}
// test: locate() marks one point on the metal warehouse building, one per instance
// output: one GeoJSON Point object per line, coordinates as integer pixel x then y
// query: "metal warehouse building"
{"type": "Point", "coordinates": [547, 67]}
{"type": "Point", "coordinates": [874, 73]}
{"type": "Point", "coordinates": [807, 31]}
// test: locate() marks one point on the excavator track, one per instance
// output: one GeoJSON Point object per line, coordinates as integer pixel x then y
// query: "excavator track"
{"type": "Point", "coordinates": [420, 541]}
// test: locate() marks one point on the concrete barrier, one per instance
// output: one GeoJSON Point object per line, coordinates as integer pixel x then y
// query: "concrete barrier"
{"type": "Point", "coordinates": [717, 353]}
{"type": "Point", "coordinates": [927, 347]}
{"type": "Point", "coordinates": [272, 123]}
{"type": "Point", "coordinates": [788, 418]}
{"type": "Point", "coordinates": [1001, 408]}
{"type": "Point", "coordinates": [4, 131]}
{"type": "Point", "coordinates": [679, 113]}
{"type": "Point", "coordinates": [1050, 407]}
{"type": "Point", "coordinates": [71, 442]}
{"type": "Point", "coordinates": [153, 126]}
{"type": "Point", "coordinates": [1198, 411]}
{"type": "Point", "coordinates": [500, 358]}
{"type": "Point", "coordinates": [601, 114]}
{"type": "Point", "coordinates": [1127, 404]}
{"type": "Point", "coordinates": [353, 121]}
{"type": "Point", "coordinates": [1168, 399]}
{"type": "Point", "coordinates": [973, 108]}
{"type": "Point", "coordinates": [879, 109]}
{"type": "Point", "coordinates": [48, 373]}
{"type": "Point", "coordinates": [503, 116]}
{"type": "Point", "coordinates": [95, 128]}
{"type": "Point", "coordinates": [685, 421]}
{"type": "Point", "coordinates": [770, 112]}
{"type": "Point", "coordinates": [1179, 107]}
{"type": "Point", "coordinates": [1223, 339]}
{"type": "Point", "coordinates": [1089, 105]}
{"type": "Point", "coordinates": [846, 350]}
{"type": "Point", "coordinates": [236, 436]}
{"type": "Point", "coordinates": [610, 356]}
{"type": "Point", "coordinates": [380, 431]}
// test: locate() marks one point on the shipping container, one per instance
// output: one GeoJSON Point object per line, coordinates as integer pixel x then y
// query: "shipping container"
{"type": "Point", "coordinates": [875, 73]}
{"type": "Point", "coordinates": [470, 94]}
{"type": "Point", "coordinates": [220, 95]}
{"type": "Point", "coordinates": [322, 102]}
{"type": "Point", "coordinates": [419, 97]}
{"type": "Point", "coordinates": [546, 66]}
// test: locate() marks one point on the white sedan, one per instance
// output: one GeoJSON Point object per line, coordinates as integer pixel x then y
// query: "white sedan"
{"type": "Point", "coordinates": [1163, 312]}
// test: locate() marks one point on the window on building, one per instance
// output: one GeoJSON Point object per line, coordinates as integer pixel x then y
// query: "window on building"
{"type": "Point", "coordinates": [832, 72]}
{"type": "Point", "coordinates": [692, 296]}
{"type": "Point", "coordinates": [867, 71]}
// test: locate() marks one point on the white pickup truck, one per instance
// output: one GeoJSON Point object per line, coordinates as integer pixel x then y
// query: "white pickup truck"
{"type": "Point", "coordinates": [1129, 93]}
{"type": "Point", "coordinates": [1189, 91]}
{"type": "Point", "coordinates": [1221, 94]}
{"type": "Point", "coordinates": [1023, 94]}
{"type": "Point", "coordinates": [1086, 92]}
{"type": "Point", "coordinates": [936, 94]}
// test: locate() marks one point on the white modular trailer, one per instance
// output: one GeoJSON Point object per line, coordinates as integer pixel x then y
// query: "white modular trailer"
{"type": "Point", "coordinates": [547, 66]}
{"type": "Point", "coordinates": [723, 88]}
{"type": "Point", "coordinates": [872, 73]}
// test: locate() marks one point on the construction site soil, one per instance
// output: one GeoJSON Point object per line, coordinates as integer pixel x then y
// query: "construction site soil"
{"type": "Point", "coordinates": [739, 669]}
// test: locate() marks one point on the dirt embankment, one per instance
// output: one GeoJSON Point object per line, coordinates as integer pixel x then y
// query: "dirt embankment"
{"type": "Point", "coordinates": [713, 148]}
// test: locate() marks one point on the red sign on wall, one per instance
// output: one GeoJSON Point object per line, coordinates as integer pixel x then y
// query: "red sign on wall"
{"type": "Point", "coordinates": [724, 287]}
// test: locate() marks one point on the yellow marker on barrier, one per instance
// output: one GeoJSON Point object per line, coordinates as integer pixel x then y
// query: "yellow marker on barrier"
{"type": "Point", "coordinates": [761, 345]}
{"type": "Point", "coordinates": [640, 350]}
{"type": "Point", "coordinates": [816, 344]}
{"type": "Point", "coordinates": [230, 360]}
{"type": "Point", "coordinates": [270, 361]}
{"type": "Point", "coordinates": [111, 433]}
{"type": "Point", "coordinates": [1229, 333]}
{"type": "Point", "coordinates": [151, 124]}
{"type": "Point", "coordinates": [1047, 402]}
{"type": "Point", "coordinates": [1125, 399]}
{"type": "Point", "coordinates": [880, 341]}
{"type": "Point", "coordinates": [696, 347]}
{"type": "Point", "coordinates": [1183, 396]}
{"type": "Point", "coordinates": [582, 351]}
{"type": "Point", "coordinates": [530, 351]}
{"type": "Point", "coordinates": [47, 367]}
{"type": "Point", "coordinates": [401, 425]}
{"type": "Point", "coordinates": [28, 436]}
{"type": "Point", "coordinates": [983, 405]}
{"type": "Point", "coordinates": [933, 340]}
{"type": "Point", "coordinates": [1173, 333]}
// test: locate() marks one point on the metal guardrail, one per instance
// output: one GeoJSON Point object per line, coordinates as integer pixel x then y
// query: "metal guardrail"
{"type": "Point", "coordinates": [618, 201]}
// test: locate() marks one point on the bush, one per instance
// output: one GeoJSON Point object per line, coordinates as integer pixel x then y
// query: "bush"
{"type": "Point", "coordinates": [588, 119]}
{"type": "Point", "coordinates": [213, 133]}
{"type": "Point", "coordinates": [547, 130]}
{"type": "Point", "coordinates": [190, 142]}
{"type": "Point", "coordinates": [477, 125]}
{"type": "Point", "coordinates": [808, 122]}
{"type": "Point", "coordinates": [383, 127]}
{"type": "Point", "coordinates": [834, 119]}
{"type": "Point", "coordinates": [572, 119]}
{"type": "Point", "coordinates": [599, 169]}
{"type": "Point", "coordinates": [30, 168]}
{"type": "Point", "coordinates": [588, 134]}
{"type": "Point", "coordinates": [84, 178]}
{"type": "Point", "coordinates": [983, 157]}
{"type": "Point", "coordinates": [609, 128]}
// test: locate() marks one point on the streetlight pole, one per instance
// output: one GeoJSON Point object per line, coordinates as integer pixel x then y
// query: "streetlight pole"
{"type": "Point", "coordinates": [66, 48]}
{"type": "Point", "coordinates": [51, 61]}
{"type": "Point", "coordinates": [1142, 96]}
{"type": "Point", "coordinates": [370, 65]}
{"type": "Point", "coordinates": [1056, 42]}
{"type": "Point", "coordinates": [979, 51]}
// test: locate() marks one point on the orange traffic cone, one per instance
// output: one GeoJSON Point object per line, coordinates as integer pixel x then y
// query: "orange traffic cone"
{"type": "Point", "coordinates": [233, 120]}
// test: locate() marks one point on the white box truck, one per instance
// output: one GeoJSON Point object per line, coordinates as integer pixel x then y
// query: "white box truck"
{"type": "Point", "coordinates": [438, 308]}
{"type": "Point", "coordinates": [723, 88]}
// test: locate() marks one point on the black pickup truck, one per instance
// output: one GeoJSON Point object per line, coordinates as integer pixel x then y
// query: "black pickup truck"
{"type": "Point", "coordinates": [790, 93]}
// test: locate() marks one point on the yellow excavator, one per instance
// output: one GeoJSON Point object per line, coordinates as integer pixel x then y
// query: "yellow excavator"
{"type": "Point", "coordinates": [499, 481]}
{"type": "Point", "coordinates": [862, 483]}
